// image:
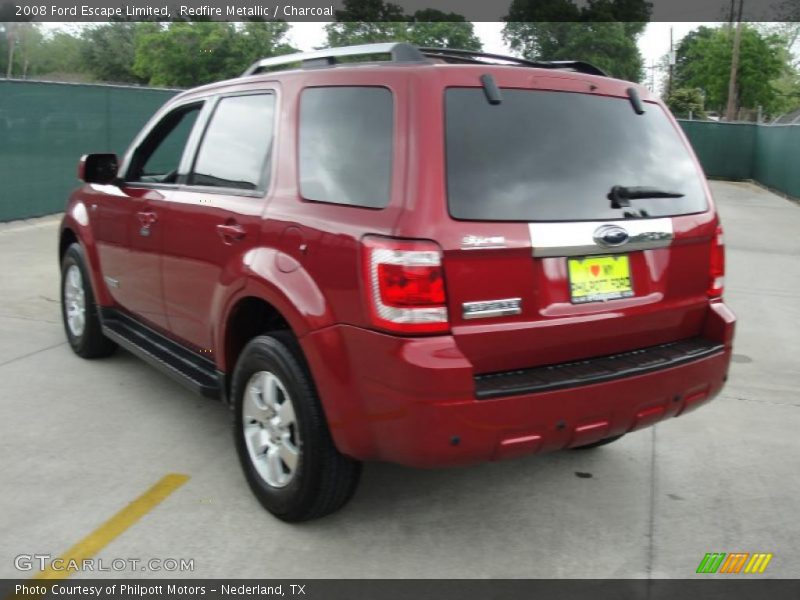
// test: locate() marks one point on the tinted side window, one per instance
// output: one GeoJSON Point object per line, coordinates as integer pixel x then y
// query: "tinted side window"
{"type": "Point", "coordinates": [157, 158]}
{"type": "Point", "coordinates": [346, 137]}
{"type": "Point", "coordinates": [236, 146]}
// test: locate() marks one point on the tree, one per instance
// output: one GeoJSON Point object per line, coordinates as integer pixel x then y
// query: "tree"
{"type": "Point", "coordinates": [10, 39]}
{"type": "Point", "coordinates": [634, 14]}
{"type": "Point", "coordinates": [16, 37]}
{"type": "Point", "coordinates": [364, 32]}
{"type": "Point", "coordinates": [605, 45]}
{"type": "Point", "coordinates": [31, 52]}
{"type": "Point", "coordinates": [366, 22]}
{"type": "Point", "coordinates": [688, 65]}
{"type": "Point", "coordinates": [26, 36]}
{"type": "Point", "coordinates": [57, 55]}
{"type": "Point", "coordinates": [186, 54]}
{"type": "Point", "coordinates": [6, 38]}
{"type": "Point", "coordinates": [704, 61]}
{"type": "Point", "coordinates": [22, 42]}
{"type": "Point", "coordinates": [431, 28]}
{"type": "Point", "coordinates": [183, 54]}
{"type": "Point", "coordinates": [787, 86]}
{"type": "Point", "coordinates": [260, 39]}
{"type": "Point", "coordinates": [603, 32]}
{"type": "Point", "coordinates": [109, 51]}
{"type": "Point", "coordinates": [371, 21]}
{"type": "Point", "coordinates": [789, 33]}
{"type": "Point", "coordinates": [180, 54]}
{"type": "Point", "coordinates": [684, 102]}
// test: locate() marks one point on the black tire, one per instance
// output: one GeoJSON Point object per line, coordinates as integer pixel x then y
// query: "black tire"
{"type": "Point", "coordinates": [597, 444]}
{"type": "Point", "coordinates": [323, 479]}
{"type": "Point", "coordinates": [90, 343]}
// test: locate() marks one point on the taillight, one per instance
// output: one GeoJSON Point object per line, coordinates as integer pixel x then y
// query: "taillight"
{"type": "Point", "coordinates": [405, 285]}
{"type": "Point", "coordinates": [716, 271]}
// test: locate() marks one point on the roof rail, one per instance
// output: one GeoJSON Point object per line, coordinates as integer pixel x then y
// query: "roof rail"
{"type": "Point", "coordinates": [403, 52]}
{"type": "Point", "coordinates": [399, 52]}
{"type": "Point", "coordinates": [472, 57]}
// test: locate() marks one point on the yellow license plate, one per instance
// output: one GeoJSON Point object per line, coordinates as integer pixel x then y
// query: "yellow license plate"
{"type": "Point", "coordinates": [599, 278]}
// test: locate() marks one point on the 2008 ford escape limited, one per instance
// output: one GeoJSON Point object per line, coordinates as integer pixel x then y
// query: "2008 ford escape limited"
{"type": "Point", "coordinates": [425, 256]}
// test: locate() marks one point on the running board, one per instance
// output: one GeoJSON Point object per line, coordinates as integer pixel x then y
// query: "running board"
{"type": "Point", "coordinates": [184, 366]}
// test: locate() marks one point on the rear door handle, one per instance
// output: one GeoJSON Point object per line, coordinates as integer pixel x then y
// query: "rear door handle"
{"type": "Point", "coordinates": [231, 232]}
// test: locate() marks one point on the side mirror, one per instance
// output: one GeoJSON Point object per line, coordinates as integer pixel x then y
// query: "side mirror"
{"type": "Point", "coordinates": [98, 168]}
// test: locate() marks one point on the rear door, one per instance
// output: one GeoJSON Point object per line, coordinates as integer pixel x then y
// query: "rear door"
{"type": "Point", "coordinates": [543, 264]}
{"type": "Point", "coordinates": [214, 219]}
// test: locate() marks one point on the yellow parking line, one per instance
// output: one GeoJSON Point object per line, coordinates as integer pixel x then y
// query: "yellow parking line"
{"type": "Point", "coordinates": [116, 525]}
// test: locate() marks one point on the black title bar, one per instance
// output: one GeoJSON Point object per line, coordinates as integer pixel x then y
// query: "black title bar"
{"type": "Point", "coordinates": [712, 587]}
{"type": "Point", "coordinates": [326, 10]}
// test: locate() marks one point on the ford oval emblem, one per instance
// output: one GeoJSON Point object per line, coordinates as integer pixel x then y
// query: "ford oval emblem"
{"type": "Point", "coordinates": [610, 235]}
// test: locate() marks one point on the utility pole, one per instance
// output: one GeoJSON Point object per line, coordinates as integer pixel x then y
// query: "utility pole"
{"type": "Point", "coordinates": [733, 88]}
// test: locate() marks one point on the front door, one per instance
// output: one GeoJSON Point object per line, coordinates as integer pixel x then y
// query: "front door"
{"type": "Point", "coordinates": [128, 243]}
{"type": "Point", "coordinates": [130, 216]}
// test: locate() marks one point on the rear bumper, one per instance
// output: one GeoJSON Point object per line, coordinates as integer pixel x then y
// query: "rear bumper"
{"type": "Point", "coordinates": [413, 401]}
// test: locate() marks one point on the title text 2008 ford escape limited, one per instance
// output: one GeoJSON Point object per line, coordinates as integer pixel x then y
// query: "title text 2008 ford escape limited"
{"type": "Point", "coordinates": [433, 259]}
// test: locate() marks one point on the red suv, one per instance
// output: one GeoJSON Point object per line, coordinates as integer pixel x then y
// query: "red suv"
{"type": "Point", "coordinates": [436, 258]}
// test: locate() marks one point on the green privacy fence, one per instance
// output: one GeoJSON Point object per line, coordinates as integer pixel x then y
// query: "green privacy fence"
{"type": "Point", "coordinates": [777, 160]}
{"type": "Point", "coordinates": [769, 154]}
{"type": "Point", "coordinates": [44, 129]}
{"type": "Point", "coordinates": [726, 150]}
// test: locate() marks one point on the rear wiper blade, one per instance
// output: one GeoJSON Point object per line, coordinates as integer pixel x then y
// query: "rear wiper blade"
{"type": "Point", "coordinates": [621, 195]}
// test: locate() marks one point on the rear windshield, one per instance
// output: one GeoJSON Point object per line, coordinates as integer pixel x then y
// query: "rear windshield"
{"type": "Point", "coordinates": [554, 156]}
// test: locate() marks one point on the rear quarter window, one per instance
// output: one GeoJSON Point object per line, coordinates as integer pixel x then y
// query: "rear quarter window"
{"type": "Point", "coordinates": [346, 140]}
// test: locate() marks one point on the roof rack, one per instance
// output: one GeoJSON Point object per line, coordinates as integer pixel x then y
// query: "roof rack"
{"type": "Point", "coordinates": [399, 52]}
{"type": "Point", "coordinates": [472, 57]}
{"type": "Point", "coordinates": [406, 53]}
